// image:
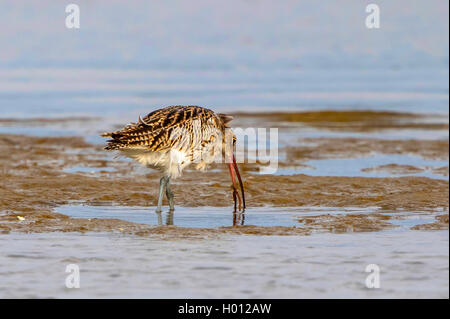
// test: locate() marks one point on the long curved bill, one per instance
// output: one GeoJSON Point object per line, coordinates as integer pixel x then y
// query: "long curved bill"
{"type": "Point", "coordinates": [234, 171]}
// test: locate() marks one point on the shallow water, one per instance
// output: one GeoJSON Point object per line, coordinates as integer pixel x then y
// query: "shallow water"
{"type": "Point", "coordinates": [199, 217]}
{"type": "Point", "coordinates": [413, 264]}
{"type": "Point", "coordinates": [355, 166]}
{"type": "Point", "coordinates": [204, 217]}
{"type": "Point", "coordinates": [211, 217]}
{"type": "Point", "coordinates": [88, 170]}
{"type": "Point", "coordinates": [123, 94]}
{"type": "Point", "coordinates": [403, 134]}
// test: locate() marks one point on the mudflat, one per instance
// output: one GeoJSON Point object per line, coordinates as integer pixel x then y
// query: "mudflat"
{"type": "Point", "coordinates": [38, 174]}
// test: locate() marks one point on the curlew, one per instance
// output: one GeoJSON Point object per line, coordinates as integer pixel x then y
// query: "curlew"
{"type": "Point", "coordinates": [172, 138]}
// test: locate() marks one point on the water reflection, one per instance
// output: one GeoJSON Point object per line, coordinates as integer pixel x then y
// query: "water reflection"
{"type": "Point", "coordinates": [200, 217]}
{"type": "Point", "coordinates": [169, 218]}
{"type": "Point", "coordinates": [237, 217]}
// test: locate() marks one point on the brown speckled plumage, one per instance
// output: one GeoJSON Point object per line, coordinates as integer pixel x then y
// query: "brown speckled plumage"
{"type": "Point", "coordinates": [154, 130]}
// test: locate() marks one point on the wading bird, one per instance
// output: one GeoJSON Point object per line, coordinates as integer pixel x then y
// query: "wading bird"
{"type": "Point", "coordinates": [171, 138]}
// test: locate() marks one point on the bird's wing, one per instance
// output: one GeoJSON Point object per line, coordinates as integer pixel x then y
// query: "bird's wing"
{"type": "Point", "coordinates": [154, 131]}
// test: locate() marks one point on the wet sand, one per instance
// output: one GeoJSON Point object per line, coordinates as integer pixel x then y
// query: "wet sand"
{"type": "Point", "coordinates": [396, 169]}
{"type": "Point", "coordinates": [39, 173]}
{"type": "Point", "coordinates": [323, 148]}
{"type": "Point", "coordinates": [355, 121]}
{"type": "Point", "coordinates": [441, 223]}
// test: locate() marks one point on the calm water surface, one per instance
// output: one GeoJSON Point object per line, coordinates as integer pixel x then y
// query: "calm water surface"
{"type": "Point", "coordinates": [413, 264]}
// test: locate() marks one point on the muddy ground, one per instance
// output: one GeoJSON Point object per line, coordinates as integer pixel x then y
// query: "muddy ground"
{"type": "Point", "coordinates": [35, 177]}
{"type": "Point", "coordinates": [355, 121]}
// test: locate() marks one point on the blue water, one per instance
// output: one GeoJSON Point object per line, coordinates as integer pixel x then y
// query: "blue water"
{"type": "Point", "coordinates": [131, 57]}
{"type": "Point", "coordinates": [355, 166]}
{"type": "Point", "coordinates": [198, 217]}
{"type": "Point", "coordinates": [212, 217]}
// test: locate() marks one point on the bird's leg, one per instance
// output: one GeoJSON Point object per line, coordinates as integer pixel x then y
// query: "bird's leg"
{"type": "Point", "coordinates": [169, 195]}
{"type": "Point", "coordinates": [162, 186]}
{"type": "Point", "coordinates": [159, 218]}
{"type": "Point", "coordinates": [234, 198]}
{"type": "Point", "coordinates": [238, 218]}
{"type": "Point", "coordinates": [169, 218]}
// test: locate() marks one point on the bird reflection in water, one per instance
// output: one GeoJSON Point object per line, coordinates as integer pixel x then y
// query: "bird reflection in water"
{"type": "Point", "coordinates": [238, 218]}
{"type": "Point", "coordinates": [169, 218]}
